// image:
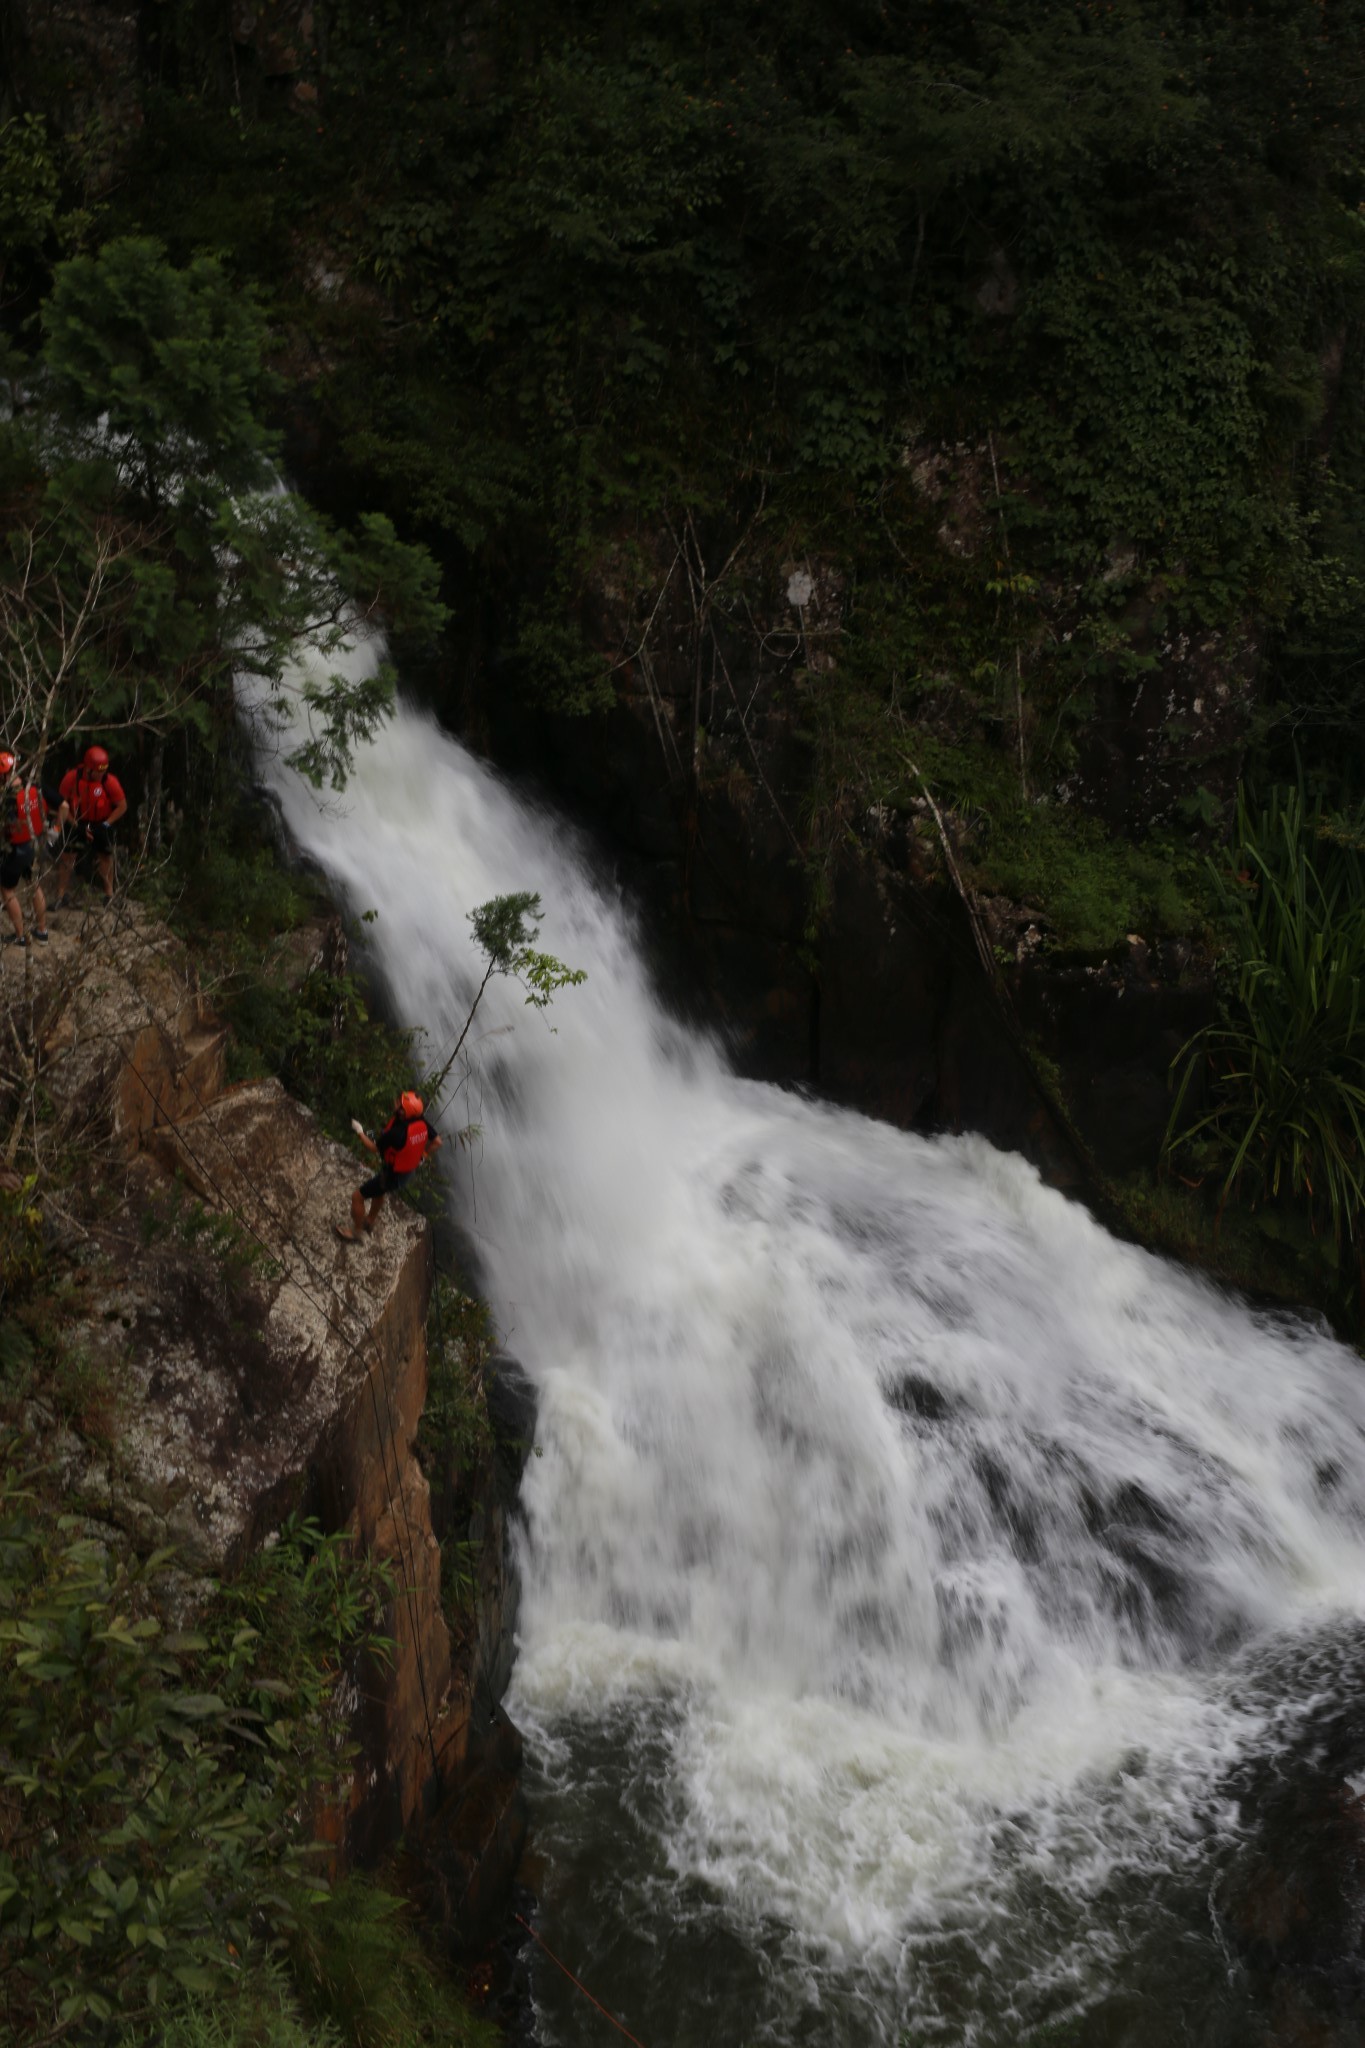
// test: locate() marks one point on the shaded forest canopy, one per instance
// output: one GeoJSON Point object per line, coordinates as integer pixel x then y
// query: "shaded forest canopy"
{"type": "Point", "coordinates": [1033, 330]}
{"type": "Point", "coordinates": [553, 273]}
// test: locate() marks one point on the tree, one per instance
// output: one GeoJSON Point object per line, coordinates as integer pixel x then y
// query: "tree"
{"type": "Point", "coordinates": [505, 929]}
{"type": "Point", "coordinates": [150, 557]}
{"type": "Point", "coordinates": [158, 1785]}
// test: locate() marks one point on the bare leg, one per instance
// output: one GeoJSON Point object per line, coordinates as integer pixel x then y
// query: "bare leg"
{"type": "Point", "coordinates": [358, 1210]}
{"type": "Point", "coordinates": [104, 868]}
{"type": "Point", "coordinates": [65, 868]}
{"type": "Point", "coordinates": [13, 912]}
{"type": "Point", "coordinates": [39, 907]}
{"type": "Point", "coordinates": [375, 1207]}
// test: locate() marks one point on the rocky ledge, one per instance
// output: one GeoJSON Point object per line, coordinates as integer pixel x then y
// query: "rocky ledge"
{"type": "Point", "coordinates": [256, 1366]}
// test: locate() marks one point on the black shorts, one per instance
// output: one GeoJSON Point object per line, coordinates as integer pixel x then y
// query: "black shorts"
{"type": "Point", "coordinates": [385, 1182]}
{"type": "Point", "coordinates": [77, 838]}
{"type": "Point", "coordinates": [15, 863]}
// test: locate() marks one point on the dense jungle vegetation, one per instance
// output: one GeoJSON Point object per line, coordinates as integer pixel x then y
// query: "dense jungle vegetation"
{"type": "Point", "coordinates": [559, 277]}
{"type": "Point", "coordinates": [1036, 329]}
{"type": "Point", "coordinates": [1036, 326]}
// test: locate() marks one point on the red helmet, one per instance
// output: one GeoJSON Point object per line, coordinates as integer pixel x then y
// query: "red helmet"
{"type": "Point", "coordinates": [95, 757]}
{"type": "Point", "coordinates": [410, 1104]}
{"type": "Point", "coordinates": [8, 764]}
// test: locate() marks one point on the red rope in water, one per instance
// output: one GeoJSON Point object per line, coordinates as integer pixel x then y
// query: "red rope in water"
{"type": "Point", "coordinates": [574, 1980]}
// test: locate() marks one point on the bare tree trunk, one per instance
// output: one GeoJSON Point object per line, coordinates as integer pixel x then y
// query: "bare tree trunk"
{"type": "Point", "coordinates": [152, 817]}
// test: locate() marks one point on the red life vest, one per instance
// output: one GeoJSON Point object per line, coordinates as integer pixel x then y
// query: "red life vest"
{"type": "Point", "coordinates": [406, 1157]}
{"type": "Point", "coordinates": [30, 816]}
{"type": "Point", "coordinates": [91, 801]}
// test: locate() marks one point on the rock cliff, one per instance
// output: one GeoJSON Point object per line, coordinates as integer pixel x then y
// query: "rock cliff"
{"type": "Point", "coordinates": [255, 1365]}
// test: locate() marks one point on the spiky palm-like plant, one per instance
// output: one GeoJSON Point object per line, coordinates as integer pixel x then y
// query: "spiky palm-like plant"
{"type": "Point", "coordinates": [1285, 1060]}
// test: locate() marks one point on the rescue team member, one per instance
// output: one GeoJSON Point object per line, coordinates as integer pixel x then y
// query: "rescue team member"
{"type": "Point", "coordinates": [26, 810]}
{"type": "Point", "coordinates": [405, 1141]}
{"type": "Point", "coordinates": [95, 800]}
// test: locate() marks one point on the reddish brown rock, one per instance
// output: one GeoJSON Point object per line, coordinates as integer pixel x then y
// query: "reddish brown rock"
{"type": "Point", "coordinates": [259, 1366]}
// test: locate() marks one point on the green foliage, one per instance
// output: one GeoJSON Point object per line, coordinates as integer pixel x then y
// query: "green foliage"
{"type": "Point", "coordinates": [1092, 888]}
{"type": "Point", "coordinates": [362, 1971]}
{"type": "Point", "coordinates": [222, 884]}
{"type": "Point", "coordinates": [302, 1608]}
{"type": "Point", "coordinates": [21, 1237]}
{"type": "Point", "coordinates": [455, 1431]}
{"type": "Point", "coordinates": [1150, 426]}
{"type": "Point", "coordinates": [263, 2011]}
{"type": "Point", "coordinates": [29, 186]}
{"type": "Point", "coordinates": [323, 1041]}
{"type": "Point", "coordinates": [504, 928]}
{"type": "Point", "coordinates": [618, 266]}
{"type": "Point", "coordinates": [148, 560]}
{"type": "Point", "coordinates": [1285, 1062]}
{"type": "Point", "coordinates": [159, 368]}
{"type": "Point", "coordinates": [155, 1785]}
{"type": "Point", "coordinates": [232, 899]}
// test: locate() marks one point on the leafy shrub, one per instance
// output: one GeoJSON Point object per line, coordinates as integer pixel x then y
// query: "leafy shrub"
{"type": "Point", "coordinates": [21, 1236]}
{"type": "Point", "coordinates": [155, 1786]}
{"type": "Point", "coordinates": [1285, 1061]}
{"type": "Point", "coordinates": [455, 1435]}
{"type": "Point", "coordinates": [362, 1970]}
{"type": "Point", "coordinates": [454, 1428]}
{"type": "Point", "coordinates": [263, 2012]}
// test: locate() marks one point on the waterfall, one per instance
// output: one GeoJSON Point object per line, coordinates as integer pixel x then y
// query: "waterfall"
{"type": "Point", "coordinates": [909, 1566]}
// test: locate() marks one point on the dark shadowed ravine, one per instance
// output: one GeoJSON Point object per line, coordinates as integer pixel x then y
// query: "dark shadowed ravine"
{"type": "Point", "coordinates": [939, 1616]}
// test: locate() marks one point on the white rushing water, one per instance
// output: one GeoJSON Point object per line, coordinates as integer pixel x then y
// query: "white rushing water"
{"type": "Point", "coordinates": [913, 1535]}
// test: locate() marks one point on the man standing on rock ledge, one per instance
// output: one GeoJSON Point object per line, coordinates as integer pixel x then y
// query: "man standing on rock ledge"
{"type": "Point", "coordinates": [405, 1141]}
{"type": "Point", "coordinates": [94, 799]}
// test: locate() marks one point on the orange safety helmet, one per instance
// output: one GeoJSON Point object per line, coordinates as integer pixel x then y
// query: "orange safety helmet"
{"type": "Point", "coordinates": [8, 764]}
{"type": "Point", "coordinates": [410, 1104]}
{"type": "Point", "coordinates": [95, 757]}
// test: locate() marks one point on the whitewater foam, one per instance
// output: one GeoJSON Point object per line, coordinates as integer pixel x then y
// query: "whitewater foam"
{"type": "Point", "coordinates": [903, 1536]}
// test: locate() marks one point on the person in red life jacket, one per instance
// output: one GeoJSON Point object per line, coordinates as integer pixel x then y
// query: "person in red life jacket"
{"type": "Point", "coordinates": [405, 1141]}
{"type": "Point", "coordinates": [95, 800]}
{"type": "Point", "coordinates": [27, 810]}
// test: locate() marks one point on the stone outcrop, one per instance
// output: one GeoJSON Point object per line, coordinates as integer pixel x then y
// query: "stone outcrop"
{"type": "Point", "coordinates": [126, 1039]}
{"type": "Point", "coordinates": [260, 1366]}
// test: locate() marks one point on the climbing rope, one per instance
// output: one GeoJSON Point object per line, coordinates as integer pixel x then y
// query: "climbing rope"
{"type": "Point", "coordinates": [577, 1981]}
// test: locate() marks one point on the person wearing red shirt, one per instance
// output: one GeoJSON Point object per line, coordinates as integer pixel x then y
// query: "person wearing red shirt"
{"type": "Point", "coordinates": [24, 813]}
{"type": "Point", "coordinates": [95, 800]}
{"type": "Point", "coordinates": [405, 1141]}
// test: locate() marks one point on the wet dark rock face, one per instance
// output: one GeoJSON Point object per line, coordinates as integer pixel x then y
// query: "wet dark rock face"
{"type": "Point", "coordinates": [884, 1004]}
